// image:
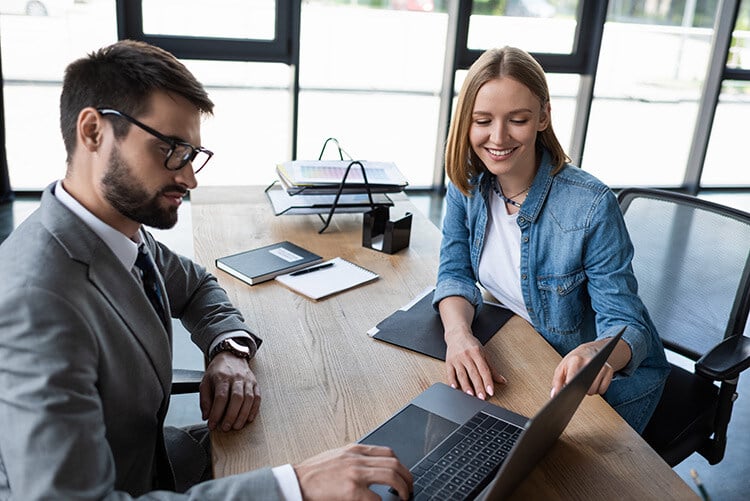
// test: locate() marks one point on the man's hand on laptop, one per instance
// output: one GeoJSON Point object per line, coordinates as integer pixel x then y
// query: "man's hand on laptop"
{"type": "Point", "coordinates": [347, 473]}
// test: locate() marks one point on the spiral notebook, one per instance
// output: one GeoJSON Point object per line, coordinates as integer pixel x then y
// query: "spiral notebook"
{"type": "Point", "coordinates": [326, 279]}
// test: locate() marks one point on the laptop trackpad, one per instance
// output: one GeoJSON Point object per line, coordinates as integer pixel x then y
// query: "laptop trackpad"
{"type": "Point", "coordinates": [424, 429]}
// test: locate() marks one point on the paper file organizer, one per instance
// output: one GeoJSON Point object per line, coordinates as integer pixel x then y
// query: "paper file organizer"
{"type": "Point", "coordinates": [382, 234]}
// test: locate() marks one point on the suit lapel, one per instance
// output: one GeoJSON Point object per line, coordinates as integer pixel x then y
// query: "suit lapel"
{"type": "Point", "coordinates": [117, 285]}
{"type": "Point", "coordinates": [129, 300]}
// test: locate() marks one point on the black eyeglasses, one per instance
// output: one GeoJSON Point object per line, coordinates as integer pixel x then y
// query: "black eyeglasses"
{"type": "Point", "coordinates": [180, 152]}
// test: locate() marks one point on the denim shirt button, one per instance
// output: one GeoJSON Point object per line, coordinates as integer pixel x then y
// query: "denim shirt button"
{"type": "Point", "coordinates": [523, 276]}
{"type": "Point", "coordinates": [521, 219]}
{"type": "Point", "coordinates": [525, 239]}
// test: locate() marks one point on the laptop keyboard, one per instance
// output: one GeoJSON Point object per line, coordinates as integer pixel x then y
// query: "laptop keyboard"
{"type": "Point", "coordinates": [464, 464]}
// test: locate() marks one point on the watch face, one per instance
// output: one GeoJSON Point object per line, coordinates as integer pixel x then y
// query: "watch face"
{"type": "Point", "coordinates": [237, 348]}
{"type": "Point", "coordinates": [232, 346]}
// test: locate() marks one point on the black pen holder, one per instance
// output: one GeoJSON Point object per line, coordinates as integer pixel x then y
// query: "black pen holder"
{"type": "Point", "coordinates": [381, 234]}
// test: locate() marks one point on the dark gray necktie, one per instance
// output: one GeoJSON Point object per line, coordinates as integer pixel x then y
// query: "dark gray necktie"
{"type": "Point", "coordinates": [151, 285]}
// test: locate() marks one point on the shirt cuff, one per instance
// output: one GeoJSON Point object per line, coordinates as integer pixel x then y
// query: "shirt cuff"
{"type": "Point", "coordinates": [287, 480]}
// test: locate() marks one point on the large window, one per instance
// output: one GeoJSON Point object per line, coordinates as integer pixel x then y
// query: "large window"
{"type": "Point", "coordinates": [519, 23]}
{"type": "Point", "coordinates": [371, 78]}
{"type": "Point", "coordinates": [38, 41]}
{"type": "Point", "coordinates": [726, 163]}
{"type": "Point", "coordinates": [652, 66]}
{"type": "Point", "coordinates": [723, 165]}
{"type": "Point", "coordinates": [240, 19]}
{"type": "Point", "coordinates": [250, 130]}
{"type": "Point", "coordinates": [628, 81]}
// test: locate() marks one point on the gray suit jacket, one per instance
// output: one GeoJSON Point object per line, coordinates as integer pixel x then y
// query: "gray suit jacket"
{"type": "Point", "coordinates": [86, 365]}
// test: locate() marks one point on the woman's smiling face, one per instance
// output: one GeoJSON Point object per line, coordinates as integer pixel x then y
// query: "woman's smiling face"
{"type": "Point", "coordinates": [505, 121]}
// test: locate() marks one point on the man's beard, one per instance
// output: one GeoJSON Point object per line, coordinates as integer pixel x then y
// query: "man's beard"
{"type": "Point", "coordinates": [132, 200]}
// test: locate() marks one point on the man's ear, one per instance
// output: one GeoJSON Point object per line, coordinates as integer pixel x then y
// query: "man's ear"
{"type": "Point", "coordinates": [89, 129]}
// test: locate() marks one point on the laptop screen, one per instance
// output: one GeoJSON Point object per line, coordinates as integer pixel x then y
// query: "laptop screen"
{"type": "Point", "coordinates": [424, 429]}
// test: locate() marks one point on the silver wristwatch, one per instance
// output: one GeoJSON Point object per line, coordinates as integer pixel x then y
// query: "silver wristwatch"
{"type": "Point", "coordinates": [236, 346]}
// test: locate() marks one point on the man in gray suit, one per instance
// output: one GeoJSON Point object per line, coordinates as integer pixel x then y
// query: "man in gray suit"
{"type": "Point", "coordinates": [86, 298]}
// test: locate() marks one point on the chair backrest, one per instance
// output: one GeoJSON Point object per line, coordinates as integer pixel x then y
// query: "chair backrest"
{"type": "Point", "coordinates": [692, 262]}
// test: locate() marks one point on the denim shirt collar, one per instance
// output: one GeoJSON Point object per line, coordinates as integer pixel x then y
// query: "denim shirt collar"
{"type": "Point", "coordinates": [540, 187]}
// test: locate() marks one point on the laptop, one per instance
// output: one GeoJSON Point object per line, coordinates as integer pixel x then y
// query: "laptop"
{"type": "Point", "coordinates": [460, 447]}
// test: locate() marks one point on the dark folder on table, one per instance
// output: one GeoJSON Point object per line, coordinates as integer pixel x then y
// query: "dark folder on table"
{"type": "Point", "coordinates": [417, 326]}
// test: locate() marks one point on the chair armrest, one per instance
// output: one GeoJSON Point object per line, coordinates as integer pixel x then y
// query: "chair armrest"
{"type": "Point", "coordinates": [186, 381]}
{"type": "Point", "coordinates": [726, 360]}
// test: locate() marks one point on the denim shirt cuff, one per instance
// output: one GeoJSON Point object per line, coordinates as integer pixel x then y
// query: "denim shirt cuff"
{"type": "Point", "coordinates": [451, 287]}
{"type": "Point", "coordinates": [638, 343]}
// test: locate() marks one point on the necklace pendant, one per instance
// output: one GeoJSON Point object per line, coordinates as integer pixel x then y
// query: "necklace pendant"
{"type": "Point", "coordinates": [505, 199]}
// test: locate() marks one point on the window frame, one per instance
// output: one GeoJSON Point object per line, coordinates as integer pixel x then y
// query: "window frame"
{"type": "Point", "coordinates": [276, 50]}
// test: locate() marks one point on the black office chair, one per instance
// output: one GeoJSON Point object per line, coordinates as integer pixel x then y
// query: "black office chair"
{"type": "Point", "coordinates": [692, 262]}
{"type": "Point", "coordinates": [185, 381]}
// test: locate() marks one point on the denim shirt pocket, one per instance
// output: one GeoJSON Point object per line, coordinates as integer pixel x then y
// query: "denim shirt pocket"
{"type": "Point", "coordinates": [563, 298]}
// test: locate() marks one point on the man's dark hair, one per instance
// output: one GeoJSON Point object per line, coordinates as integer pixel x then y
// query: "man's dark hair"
{"type": "Point", "coordinates": [123, 76]}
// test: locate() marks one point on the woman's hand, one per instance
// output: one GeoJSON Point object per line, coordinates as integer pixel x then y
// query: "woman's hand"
{"type": "Point", "coordinates": [576, 359]}
{"type": "Point", "coordinates": [465, 363]}
{"type": "Point", "coordinates": [467, 367]}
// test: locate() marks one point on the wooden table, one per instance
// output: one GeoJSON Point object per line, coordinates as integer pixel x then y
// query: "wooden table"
{"type": "Point", "coordinates": [325, 383]}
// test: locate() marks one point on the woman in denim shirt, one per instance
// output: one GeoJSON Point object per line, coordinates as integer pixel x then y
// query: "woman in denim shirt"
{"type": "Point", "coordinates": [545, 238]}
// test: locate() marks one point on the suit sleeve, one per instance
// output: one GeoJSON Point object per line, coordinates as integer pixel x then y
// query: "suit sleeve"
{"type": "Point", "coordinates": [196, 298]}
{"type": "Point", "coordinates": [53, 440]}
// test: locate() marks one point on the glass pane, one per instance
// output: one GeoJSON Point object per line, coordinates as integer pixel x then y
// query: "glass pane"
{"type": "Point", "coordinates": [495, 23]}
{"type": "Point", "coordinates": [723, 166]}
{"type": "Point", "coordinates": [739, 52]}
{"type": "Point", "coordinates": [563, 89]}
{"type": "Point", "coordinates": [249, 132]}
{"type": "Point", "coordinates": [243, 19]}
{"type": "Point", "coordinates": [648, 85]}
{"type": "Point", "coordinates": [373, 82]}
{"type": "Point", "coordinates": [396, 127]}
{"type": "Point", "coordinates": [37, 44]}
{"type": "Point", "coordinates": [371, 48]}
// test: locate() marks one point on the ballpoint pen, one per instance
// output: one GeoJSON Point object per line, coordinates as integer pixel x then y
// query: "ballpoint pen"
{"type": "Point", "coordinates": [311, 269]}
{"type": "Point", "coordinates": [699, 484]}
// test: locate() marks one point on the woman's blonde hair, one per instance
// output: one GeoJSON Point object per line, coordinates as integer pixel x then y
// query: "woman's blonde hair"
{"type": "Point", "coordinates": [461, 163]}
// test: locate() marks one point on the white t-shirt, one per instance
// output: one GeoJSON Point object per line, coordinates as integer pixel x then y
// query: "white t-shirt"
{"type": "Point", "coordinates": [500, 263]}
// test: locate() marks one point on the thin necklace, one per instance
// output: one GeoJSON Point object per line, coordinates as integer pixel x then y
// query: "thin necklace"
{"type": "Point", "coordinates": [509, 200]}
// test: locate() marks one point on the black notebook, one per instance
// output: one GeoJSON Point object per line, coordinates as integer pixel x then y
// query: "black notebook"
{"type": "Point", "coordinates": [417, 326]}
{"type": "Point", "coordinates": [264, 263]}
